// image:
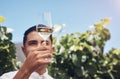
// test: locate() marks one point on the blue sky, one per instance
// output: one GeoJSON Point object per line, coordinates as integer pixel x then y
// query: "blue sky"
{"type": "Point", "coordinates": [78, 15]}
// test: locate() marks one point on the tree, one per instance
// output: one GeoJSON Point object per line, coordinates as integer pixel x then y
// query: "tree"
{"type": "Point", "coordinates": [81, 55]}
{"type": "Point", "coordinates": [7, 50]}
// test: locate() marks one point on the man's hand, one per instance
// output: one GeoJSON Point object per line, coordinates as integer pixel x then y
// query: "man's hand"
{"type": "Point", "coordinates": [36, 60]}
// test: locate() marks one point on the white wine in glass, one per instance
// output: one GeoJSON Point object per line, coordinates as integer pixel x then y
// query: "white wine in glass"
{"type": "Point", "coordinates": [44, 32]}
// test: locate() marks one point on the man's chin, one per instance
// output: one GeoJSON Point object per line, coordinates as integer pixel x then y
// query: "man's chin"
{"type": "Point", "coordinates": [42, 67]}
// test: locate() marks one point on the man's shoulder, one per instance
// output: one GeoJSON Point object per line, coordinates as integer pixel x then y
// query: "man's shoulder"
{"type": "Point", "coordinates": [8, 75]}
{"type": "Point", "coordinates": [34, 75]}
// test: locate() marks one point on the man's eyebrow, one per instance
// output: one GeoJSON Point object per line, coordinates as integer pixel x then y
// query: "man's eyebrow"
{"type": "Point", "coordinates": [32, 41]}
{"type": "Point", "coordinates": [45, 41]}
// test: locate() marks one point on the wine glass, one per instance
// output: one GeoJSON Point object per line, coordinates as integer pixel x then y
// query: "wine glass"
{"type": "Point", "coordinates": [44, 32]}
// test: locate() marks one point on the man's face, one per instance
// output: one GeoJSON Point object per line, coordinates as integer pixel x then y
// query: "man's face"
{"type": "Point", "coordinates": [35, 42]}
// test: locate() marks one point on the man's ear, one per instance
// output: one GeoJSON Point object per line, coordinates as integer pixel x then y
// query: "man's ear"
{"type": "Point", "coordinates": [23, 49]}
{"type": "Point", "coordinates": [53, 48]}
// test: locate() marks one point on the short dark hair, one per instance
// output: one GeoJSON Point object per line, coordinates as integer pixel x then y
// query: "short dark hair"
{"type": "Point", "coordinates": [33, 28]}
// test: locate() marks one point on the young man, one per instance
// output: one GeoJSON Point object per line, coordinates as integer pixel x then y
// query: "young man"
{"type": "Point", "coordinates": [37, 52]}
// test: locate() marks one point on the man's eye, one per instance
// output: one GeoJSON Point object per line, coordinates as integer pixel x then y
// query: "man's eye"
{"type": "Point", "coordinates": [47, 42]}
{"type": "Point", "coordinates": [32, 43]}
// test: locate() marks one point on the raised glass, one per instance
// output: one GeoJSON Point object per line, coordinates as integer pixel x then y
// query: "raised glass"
{"type": "Point", "coordinates": [44, 32]}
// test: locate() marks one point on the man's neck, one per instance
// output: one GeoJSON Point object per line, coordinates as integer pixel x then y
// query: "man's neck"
{"type": "Point", "coordinates": [41, 71]}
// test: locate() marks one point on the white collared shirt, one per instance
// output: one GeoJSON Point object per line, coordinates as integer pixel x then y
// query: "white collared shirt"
{"type": "Point", "coordinates": [34, 75]}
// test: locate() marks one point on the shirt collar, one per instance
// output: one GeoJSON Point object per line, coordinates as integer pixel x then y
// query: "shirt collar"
{"type": "Point", "coordinates": [36, 75]}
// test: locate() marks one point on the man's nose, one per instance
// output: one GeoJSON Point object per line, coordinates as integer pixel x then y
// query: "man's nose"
{"type": "Point", "coordinates": [41, 45]}
{"type": "Point", "coordinates": [44, 43]}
